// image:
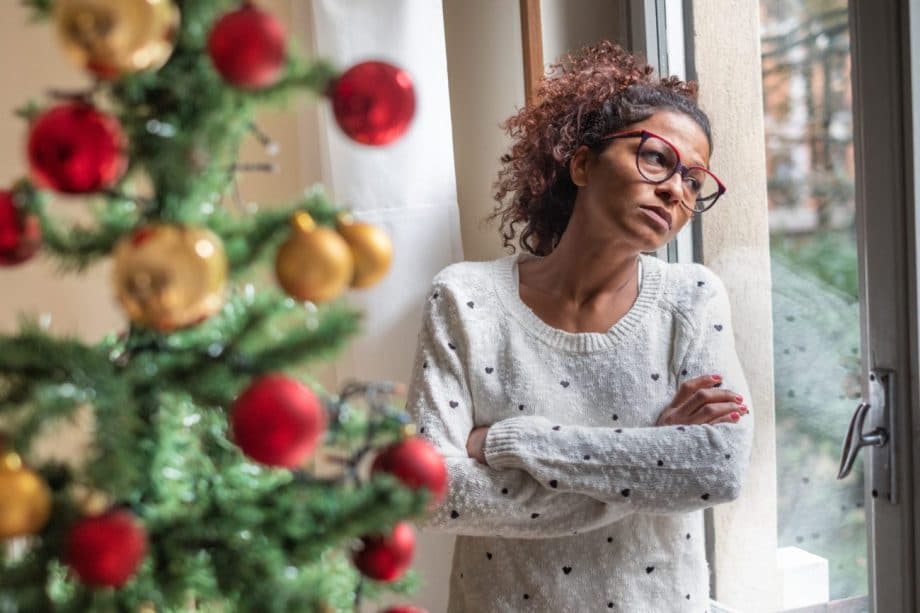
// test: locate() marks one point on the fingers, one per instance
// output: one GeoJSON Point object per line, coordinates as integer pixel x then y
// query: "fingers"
{"type": "Point", "coordinates": [733, 417]}
{"type": "Point", "coordinates": [475, 444]}
{"type": "Point", "coordinates": [707, 414]}
{"type": "Point", "coordinates": [672, 414]}
{"type": "Point", "coordinates": [716, 410]}
{"type": "Point", "coordinates": [703, 398]}
{"type": "Point", "coordinates": [700, 401]}
{"type": "Point", "coordinates": [691, 386]}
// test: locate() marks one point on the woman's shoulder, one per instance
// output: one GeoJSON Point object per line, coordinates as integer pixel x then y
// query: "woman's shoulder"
{"type": "Point", "coordinates": [464, 292]}
{"type": "Point", "coordinates": [466, 274]}
{"type": "Point", "coordinates": [688, 285]}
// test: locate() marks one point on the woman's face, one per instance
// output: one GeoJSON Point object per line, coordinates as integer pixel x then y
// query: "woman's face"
{"type": "Point", "coordinates": [616, 197]}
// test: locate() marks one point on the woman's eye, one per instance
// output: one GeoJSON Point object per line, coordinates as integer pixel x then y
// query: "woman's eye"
{"type": "Point", "coordinates": [654, 157]}
{"type": "Point", "coordinates": [692, 184]}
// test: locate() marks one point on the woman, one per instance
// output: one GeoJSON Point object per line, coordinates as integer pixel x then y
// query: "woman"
{"type": "Point", "coordinates": [576, 389]}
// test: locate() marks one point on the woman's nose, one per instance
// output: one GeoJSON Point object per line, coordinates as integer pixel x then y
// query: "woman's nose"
{"type": "Point", "coordinates": [671, 190]}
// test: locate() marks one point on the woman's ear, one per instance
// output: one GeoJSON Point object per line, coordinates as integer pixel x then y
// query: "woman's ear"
{"type": "Point", "coordinates": [578, 165]}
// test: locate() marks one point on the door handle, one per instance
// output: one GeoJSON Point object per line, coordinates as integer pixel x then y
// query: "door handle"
{"type": "Point", "coordinates": [880, 440]}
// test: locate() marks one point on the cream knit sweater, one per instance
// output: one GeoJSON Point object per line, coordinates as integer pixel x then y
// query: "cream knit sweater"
{"type": "Point", "coordinates": [585, 505]}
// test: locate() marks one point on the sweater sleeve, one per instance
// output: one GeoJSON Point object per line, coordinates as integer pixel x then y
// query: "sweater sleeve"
{"type": "Point", "coordinates": [659, 470]}
{"type": "Point", "coordinates": [482, 500]}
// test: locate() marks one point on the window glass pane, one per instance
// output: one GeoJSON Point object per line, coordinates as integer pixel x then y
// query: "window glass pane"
{"type": "Point", "coordinates": [810, 170]}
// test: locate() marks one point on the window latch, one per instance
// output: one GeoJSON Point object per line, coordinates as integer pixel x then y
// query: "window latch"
{"type": "Point", "coordinates": [881, 413]}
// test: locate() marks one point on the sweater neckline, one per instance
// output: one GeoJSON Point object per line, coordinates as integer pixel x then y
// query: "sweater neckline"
{"type": "Point", "coordinates": [506, 280]}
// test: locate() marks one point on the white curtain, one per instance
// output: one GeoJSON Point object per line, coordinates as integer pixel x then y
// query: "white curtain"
{"type": "Point", "coordinates": [408, 188]}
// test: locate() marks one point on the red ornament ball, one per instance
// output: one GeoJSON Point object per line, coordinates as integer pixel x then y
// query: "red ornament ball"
{"type": "Point", "coordinates": [278, 421]}
{"type": "Point", "coordinates": [416, 463]}
{"type": "Point", "coordinates": [373, 102]}
{"type": "Point", "coordinates": [405, 608]}
{"type": "Point", "coordinates": [248, 47]}
{"type": "Point", "coordinates": [106, 550]}
{"type": "Point", "coordinates": [76, 149]}
{"type": "Point", "coordinates": [20, 234]}
{"type": "Point", "coordinates": [387, 557]}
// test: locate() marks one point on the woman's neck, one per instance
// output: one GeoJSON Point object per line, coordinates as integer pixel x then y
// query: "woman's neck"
{"type": "Point", "coordinates": [584, 276]}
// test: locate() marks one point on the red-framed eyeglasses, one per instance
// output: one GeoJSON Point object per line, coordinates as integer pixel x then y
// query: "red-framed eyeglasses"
{"type": "Point", "coordinates": [657, 160]}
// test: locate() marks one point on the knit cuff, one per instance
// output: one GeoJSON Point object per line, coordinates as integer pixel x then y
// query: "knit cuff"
{"type": "Point", "coordinates": [503, 443]}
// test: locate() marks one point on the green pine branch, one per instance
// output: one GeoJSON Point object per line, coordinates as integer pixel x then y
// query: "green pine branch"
{"type": "Point", "coordinates": [261, 553]}
{"type": "Point", "coordinates": [46, 378]}
{"type": "Point", "coordinates": [247, 239]}
{"type": "Point", "coordinates": [77, 246]}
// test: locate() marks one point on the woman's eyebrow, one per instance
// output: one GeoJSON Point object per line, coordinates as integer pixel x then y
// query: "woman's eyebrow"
{"type": "Point", "coordinates": [698, 163]}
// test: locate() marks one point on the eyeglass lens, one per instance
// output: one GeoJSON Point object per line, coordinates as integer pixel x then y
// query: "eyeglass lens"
{"type": "Point", "coordinates": [657, 161]}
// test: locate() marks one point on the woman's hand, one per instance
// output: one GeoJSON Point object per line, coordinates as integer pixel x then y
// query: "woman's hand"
{"type": "Point", "coordinates": [699, 401]}
{"type": "Point", "coordinates": [475, 444]}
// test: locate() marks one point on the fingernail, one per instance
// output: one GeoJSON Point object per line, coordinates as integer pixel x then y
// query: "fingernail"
{"type": "Point", "coordinates": [716, 377]}
{"type": "Point", "coordinates": [739, 399]}
{"type": "Point", "coordinates": [735, 415]}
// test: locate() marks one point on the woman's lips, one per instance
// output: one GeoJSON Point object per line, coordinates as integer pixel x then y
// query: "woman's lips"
{"type": "Point", "coordinates": [659, 220]}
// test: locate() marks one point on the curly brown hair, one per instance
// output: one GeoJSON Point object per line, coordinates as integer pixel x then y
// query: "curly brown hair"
{"type": "Point", "coordinates": [588, 94]}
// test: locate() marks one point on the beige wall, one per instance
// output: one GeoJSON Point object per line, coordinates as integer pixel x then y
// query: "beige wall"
{"type": "Point", "coordinates": [735, 245]}
{"type": "Point", "coordinates": [75, 304]}
{"type": "Point", "coordinates": [485, 62]}
{"type": "Point", "coordinates": [570, 24]}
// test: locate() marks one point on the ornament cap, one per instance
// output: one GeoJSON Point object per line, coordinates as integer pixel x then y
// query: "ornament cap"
{"type": "Point", "coordinates": [303, 222]}
{"type": "Point", "coordinates": [10, 461]}
{"type": "Point", "coordinates": [91, 502]}
{"type": "Point", "coordinates": [345, 218]}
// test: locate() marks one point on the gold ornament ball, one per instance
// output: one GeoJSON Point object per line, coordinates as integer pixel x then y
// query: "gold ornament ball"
{"type": "Point", "coordinates": [112, 38]}
{"type": "Point", "coordinates": [25, 501]}
{"type": "Point", "coordinates": [314, 263]}
{"type": "Point", "coordinates": [170, 276]}
{"type": "Point", "coordinates": [371, 248]}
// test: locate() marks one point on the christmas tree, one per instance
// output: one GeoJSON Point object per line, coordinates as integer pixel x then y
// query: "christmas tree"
{"type": "Point", "coordinates": [201, 489]}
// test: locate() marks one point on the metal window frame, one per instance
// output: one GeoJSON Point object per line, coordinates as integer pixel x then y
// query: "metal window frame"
{"type": "Point", "coordinates": [884, 37]}
{"type": "Point", "coordinates": [658, 30]}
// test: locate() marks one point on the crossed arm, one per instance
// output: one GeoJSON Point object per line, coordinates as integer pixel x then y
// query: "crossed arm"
{"type": "Point", "coordinates": [533, 485]}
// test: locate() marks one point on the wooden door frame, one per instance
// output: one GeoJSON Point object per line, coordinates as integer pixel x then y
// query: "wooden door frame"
{"type": "Point", "coordinates": [532, 45]}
